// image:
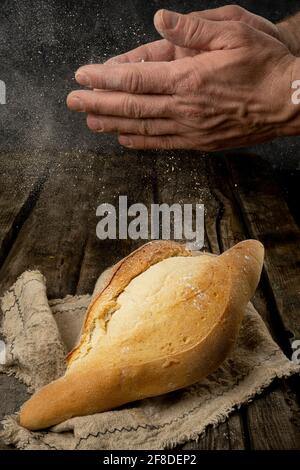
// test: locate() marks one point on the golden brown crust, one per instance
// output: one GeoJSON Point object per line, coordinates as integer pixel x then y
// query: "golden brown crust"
{"type": "Point", "coordinates": [93, 385]}
{"type": "Point", "coordinates": [120, 276]}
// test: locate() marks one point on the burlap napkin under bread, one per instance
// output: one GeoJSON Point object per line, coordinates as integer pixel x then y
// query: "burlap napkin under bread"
{"type": "Point", "coordinates": [38, 334]}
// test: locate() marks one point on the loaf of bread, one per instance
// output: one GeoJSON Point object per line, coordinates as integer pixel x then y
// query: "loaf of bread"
{"type": "Point", "coordinates": [164, 320]}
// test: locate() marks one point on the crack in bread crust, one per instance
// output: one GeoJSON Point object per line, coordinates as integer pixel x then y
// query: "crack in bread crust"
{"type": "Point", "coordinates": [127, 269]}
{"type": "Point", "coordinates": [149, 347]}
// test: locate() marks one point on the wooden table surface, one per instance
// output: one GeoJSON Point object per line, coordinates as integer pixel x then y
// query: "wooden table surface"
{"type": "Point", "coordinates": [48, 221]}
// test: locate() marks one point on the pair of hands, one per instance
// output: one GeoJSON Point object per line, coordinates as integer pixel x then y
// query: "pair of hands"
{"type": "Point", "coordinates": [219, 79]}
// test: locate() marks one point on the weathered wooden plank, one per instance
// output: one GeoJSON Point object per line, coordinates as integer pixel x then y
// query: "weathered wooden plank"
{"type": "Point", "coordinates": [21, 179]}
{"type": "Point", "coordinates": [52, 239]}
{"type": "Point", "coordinates": [267, 216]}
{"type": "Point", "coordinates": [128, 175]}
{"type": "Point", "coordinates": [59, 237]}
{"type": "Point", "coordinates": [231, 230]}
{"type": "Point", "coordinates": [183, 178]}
{"type": "Point", "coordinates": [289, 181]}
{"type": "Point", "coordinates": [53, 236]}
{"type": "Point", "coordinates": [13, 395]}
{"type": "Point", "coordinates": [271, 418]}
{"type": "Point", "coordinates": [139, 183]}
{"type": "Point", "coordinates": [226, 436]}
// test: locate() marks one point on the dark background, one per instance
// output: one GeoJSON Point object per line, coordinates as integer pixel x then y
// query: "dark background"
{"type": "Point", "coordinates": [43, 42]}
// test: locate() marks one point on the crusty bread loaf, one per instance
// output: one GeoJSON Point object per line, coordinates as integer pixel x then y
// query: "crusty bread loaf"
{"type": "Point", "coordinates": [163, 320]}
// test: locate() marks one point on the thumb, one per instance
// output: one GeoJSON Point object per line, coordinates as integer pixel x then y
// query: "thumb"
{"type": "Point", "coordinates": [197, 33]}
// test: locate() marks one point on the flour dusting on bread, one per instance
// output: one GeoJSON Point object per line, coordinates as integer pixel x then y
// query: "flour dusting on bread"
{"type": "Point", "coordinates": [163, 320]}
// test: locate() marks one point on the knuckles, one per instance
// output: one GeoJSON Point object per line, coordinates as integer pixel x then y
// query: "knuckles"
{"type": "Point", "coordinates": [168, 143]}
{"type": "Point", "coordinates": [164, 142]}
{"type": "Point", "coordinates": [131, 108]}
{"type": "Point", "coordinates": [242, 32]}
{"type": "Point", "coordinates": [146, 127]}
{"type": "Point", "coordinates": [190, 81]}
{"type": "Point", "coordinates": [133, 81]}
{"type": "Point", "coordinates": [235, 12]}
{"type": "Point", "coordinates": [190, 112]}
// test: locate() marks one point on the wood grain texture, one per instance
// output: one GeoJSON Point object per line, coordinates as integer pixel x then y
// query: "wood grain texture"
{"type": "Point", "coordinates": [273, 419]}
{"type": "Point", "coordinates": [58, 236]}
{"type": "Point", "coordinates": [184, 178]}
{"type": "Point", "coordinates": [13, 394]}
{"type": "Point", "coordinates": [52, 240]}
{"type": "Point", "coordinates": [21, 180]}
{"type": "Point", "coordinates": [130, 175]}
{"type": "Point", "coordinates": [268, 219]}
{"type": "Point", "coordinates": [53, 236]}
{"type": "Point", "coordinates": [233, 228]}
{"type": "Point", "coordinates": [52, 226]}
{"type": "Point", "coordinates": [226, 436]}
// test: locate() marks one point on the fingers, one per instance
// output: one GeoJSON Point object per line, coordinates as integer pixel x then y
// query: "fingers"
{"type": "Point", "coordinates": [225, 13]}
{"type": "Point", "coordinates": [157, 51]}
{"type": "Point", "coordinates": [199, 33]}
{"type": "Point", "coordinates": [145, 127]}
{"type": "Point", "coordinates": [166, 142]}
{"type": "Point", "coordinates": [237, 13]}
{"type": "Point", "coordinates": [143, 77]}
{"type": "Point", "coordinates": [115, 103]}
{"type": "Point", "coordinates": [209, 143]}
{"type": "Point", "coordinates": [164, 50]}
